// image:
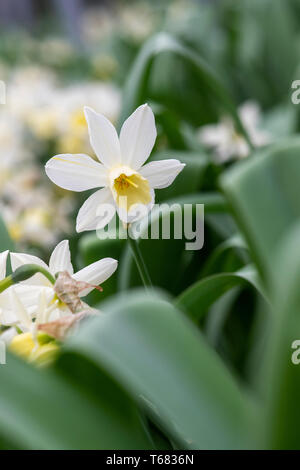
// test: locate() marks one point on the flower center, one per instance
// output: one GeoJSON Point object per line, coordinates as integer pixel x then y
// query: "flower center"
{"type": "Point", "coordinates": [131, 189]}
{"type": "Point", "coordinates": [123, 182]}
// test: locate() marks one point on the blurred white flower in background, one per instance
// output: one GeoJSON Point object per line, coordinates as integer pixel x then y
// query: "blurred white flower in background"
{"type": "Point", "coordinates": [72, 131]}
{"type": "Point", "coordinates": [227, 142]}
{"type": "Point", "coordinates": [137, 21]}
{"type": "Point", "coordinates": [55, 51]}
{"type": "Point", "coordinates": [97, 24]}
{"type": "Point", "coordinates": [61, 118]}
{"type": "Point", "coordinates": [29, 87]}
{"type": "Point", "coordinates": [12, 135]}
{"type": "Point", "coordinates": [103, 65]}
{"type": "Point", "coordinates": [38, 219]}
{"type": "Point", "coordinates": [42, 113]}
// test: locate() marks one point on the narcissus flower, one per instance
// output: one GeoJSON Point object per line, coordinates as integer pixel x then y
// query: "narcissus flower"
{"type": "Point", "coordinates": [128, 186]}
{"type": "Point", "coordinates": [37, 294]}
{"type": "Point", "coordinates": [60, 260]}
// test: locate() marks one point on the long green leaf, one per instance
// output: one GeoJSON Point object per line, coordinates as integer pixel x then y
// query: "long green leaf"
{"type": "Point", "coordinates": [165, 363]}
{"type": "Point", "coordinates": [136, 86]}
{"type": "Point", "coordinates": [42, 409]}
{"type": "Point", "coordinates": [282, 375]}
{"type": "Point", "coordinates": [264, 193]}
{"type": "Point", "coordinates": [197, 299]}
{"type": "Point", "coordinates": [6, 242]}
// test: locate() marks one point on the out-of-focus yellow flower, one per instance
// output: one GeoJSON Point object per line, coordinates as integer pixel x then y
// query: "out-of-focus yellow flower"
{"type": "Point", "coordinates": [104, 66]}
{"type": "Point", "coordinates": [40, 350]}
{"type": "Point", "coordinates": [42, 123]}
{"type": "Point", "coordinates": [77, 120]}
{"type": "Point", "coordinates": [35, 218]}
{"type": "Point", "coordinates": [71, 143]}
{"type": "Point", "coordinates": [75, 139]}
{"type": "Point", "coordinates": [55, 51]}
{"type": "Point", "coordinates": [15, 230]}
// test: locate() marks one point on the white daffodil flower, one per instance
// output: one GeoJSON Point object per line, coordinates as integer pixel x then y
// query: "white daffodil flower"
{"type": "Point", "coordinates": [36, 295]}
{"type": "Point", "coordinates": [128, 186]}
{"type": "Point", "coordinates": [60, 260]}
{"type": "Point", "coordinates": [30, 295]}
{"type": "Point", "coordinates": [225, 140]}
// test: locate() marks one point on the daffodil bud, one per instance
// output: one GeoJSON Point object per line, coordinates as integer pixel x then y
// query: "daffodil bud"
{"type": "Point", "coordinates": [24, 272]}
{"type": "Point", "coordinates": [45, 354]}
{"type": "Point", "coordinates": [22, 345]}
{"type": "Point", "coordinates": [28, 270]}
{"type": "Point", "coordinates": [41, 350]}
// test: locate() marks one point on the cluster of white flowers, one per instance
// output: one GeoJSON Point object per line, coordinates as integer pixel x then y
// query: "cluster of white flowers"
{"type": "Point", "coordinates": [40, 307]}
{"type": "Point", "coordinates": [41, 114]}
{"type": "Point", "coordinates": [136, 20]}
{"type": "Point", "coordinates": [34, 302]}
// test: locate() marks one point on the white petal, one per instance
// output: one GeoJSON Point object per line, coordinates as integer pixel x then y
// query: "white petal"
{"type": "Point", "coordinates": [60, 259]}
{"type": "Point", "coordinates": [29, 296]}
{"type": "Point", "coordinates": [137, 137]}
{"type": "Point", "coordinates": [96, 273]}
{"type": "Point", "coordinates": [96, 212]}
{"type": "Point", "coordinates": [3, 258]}
{"type": "Point", "coordinates": [212, 134]}
{"type": "Point", "coordinates": [41, 310]}
{"type": "Point", "coordinates": [103, 137]}
{"type": "Point", "coordinates": [162, 173]}
{"type": "Point", "coordinates": [77, 172]}
{"type": "Point", "coordinates": [8, 335]}
{"type": "Point", "coordinates": [22, 315]}
{"type": "Point", "coordinates": [249, 113]}
{"type": "Point", "coordinates": [19, 259]}
{"type": "Point", "coordinates": [137, 211]}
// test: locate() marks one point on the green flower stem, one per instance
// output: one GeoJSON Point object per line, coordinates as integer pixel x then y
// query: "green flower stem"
{"type": "Point", "coordinates": [24, 272]}
{"type": "Point", "coordinates": [5, 283]}
{"type": "Point", "coordinates": [139, 260]}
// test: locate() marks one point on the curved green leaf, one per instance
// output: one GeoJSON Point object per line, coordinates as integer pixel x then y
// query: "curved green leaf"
{"type": "Point", "coordinates": [42, 409]}
{"type": "Point", "coordinates": [163, 360]}
{"type": "Point", "coordinates": [234, 244]}
{"type": "Point", "coordinates": [197, 299]}
{"type": "Point", "coordinates": [264, 193]}
{"type": "Point", "coordinates": [136, 87]}
{"type": "Point", "coordinates": [281, 374]}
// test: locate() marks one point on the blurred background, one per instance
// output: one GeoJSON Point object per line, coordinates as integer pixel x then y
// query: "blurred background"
{"type": "Point", "coordinates": [57, 56]}
{"type": "Point", "coordinates": [204, 67]}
